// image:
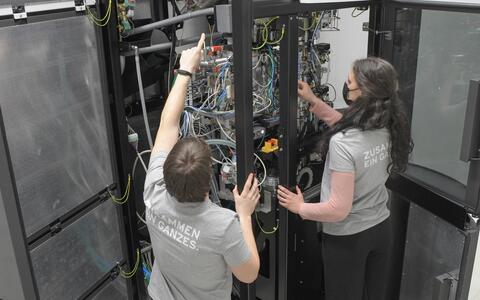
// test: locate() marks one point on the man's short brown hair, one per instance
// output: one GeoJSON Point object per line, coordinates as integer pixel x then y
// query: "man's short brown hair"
{"type": "Point", "coordinates": [187, 170]}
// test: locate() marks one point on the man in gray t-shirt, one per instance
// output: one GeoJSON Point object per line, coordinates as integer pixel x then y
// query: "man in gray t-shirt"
{"type": "Point", "coordinates": [194, 243]}
{"type": "Point", "coordinates": [197, 244]}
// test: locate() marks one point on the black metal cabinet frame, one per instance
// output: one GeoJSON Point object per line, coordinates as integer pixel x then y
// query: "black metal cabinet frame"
{"type": "Point", "coordinates": [246, 12]}
{"type": "Point", "coordinates": [380, 44]}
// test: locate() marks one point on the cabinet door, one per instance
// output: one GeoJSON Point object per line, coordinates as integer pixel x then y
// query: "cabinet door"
{"type": "Point", "coordinates": [54, 117]}
{"type": "Point", "coordinates": [436, 54]}
{"type": "Point", "coordinates": [434, 47]}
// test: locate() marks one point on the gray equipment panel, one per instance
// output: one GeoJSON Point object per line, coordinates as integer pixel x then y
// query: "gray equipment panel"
{"type": "Point", "coordinates": [434, 248]}
{"type": "Point", "coordinates": [54, 116]}
{"type": "Point", "coordinates": [115, 290]}
{"type": "Point", "coordinates": [71, 262]}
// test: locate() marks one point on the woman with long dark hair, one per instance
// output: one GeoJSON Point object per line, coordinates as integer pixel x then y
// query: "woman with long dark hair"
{"type": "Point", "coordinates": [362, 147]}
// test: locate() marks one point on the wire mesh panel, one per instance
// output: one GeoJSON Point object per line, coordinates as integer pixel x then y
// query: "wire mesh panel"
{"type": "Point", "coordinates": [71, 262]}
{"type": "Point", "coordinates": [433, 251]}
{"type": "Point", "coordinates": [115, 290]}
{"type": "Point", "coordinates": [54, 116]}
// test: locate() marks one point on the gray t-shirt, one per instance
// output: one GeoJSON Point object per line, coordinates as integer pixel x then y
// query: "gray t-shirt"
{"type": "Point", "coordinates": [367, 153]}
{"type": "Point", "coordinates": [194, 243]}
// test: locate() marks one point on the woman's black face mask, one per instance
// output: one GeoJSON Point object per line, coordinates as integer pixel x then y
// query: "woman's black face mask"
{"type": "Point", "coordinates": [345, 94]}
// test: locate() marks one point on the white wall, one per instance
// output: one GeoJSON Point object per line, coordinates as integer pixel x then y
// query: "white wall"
{"type": "Point", "coordinates": [347, 45]}
{"type": "Point", "coordinates": [475, 283]}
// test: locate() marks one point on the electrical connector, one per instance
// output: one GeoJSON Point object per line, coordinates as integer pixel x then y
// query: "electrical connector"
{"type": "Point", "coordinates": [133, 140]}
{"type": "Point", "coordinates": [270, 146]}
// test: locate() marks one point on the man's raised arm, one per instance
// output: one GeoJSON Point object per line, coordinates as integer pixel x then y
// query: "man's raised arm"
{"type": "Point", "coordinates": [167, 135]}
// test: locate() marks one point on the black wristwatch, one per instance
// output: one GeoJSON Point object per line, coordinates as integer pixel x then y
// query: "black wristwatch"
{"type": "Point", "coordinates": [183, 72]}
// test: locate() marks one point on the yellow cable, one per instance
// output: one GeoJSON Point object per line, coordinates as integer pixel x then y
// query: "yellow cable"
{"type": "Point", "coordinates": [264, 36]}
{"type": "Point", "coordinates": [271, 20]}
{"type": "Point", "coordinates": [130, 274]}
{"type": "Point", "coordinates": [124, 199]}
{"type": "Point", "coordinates": [97, 20]}
{"type": "Point", "coordinates": [275, 228]}
{"type": "Point", "coordinates": [311, 26]}
{"type": "Point", "coordinates": [99, 24]}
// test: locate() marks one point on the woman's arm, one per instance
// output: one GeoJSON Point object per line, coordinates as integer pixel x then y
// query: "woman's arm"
{"type": "Point", "coordinates": [321, 109]}
{"type": "Point", "coordinates": [335, 209]}
{"type": "Point", "coordinates": [324, 112]}
{"type": "Point", "coordinates": [338, 205]}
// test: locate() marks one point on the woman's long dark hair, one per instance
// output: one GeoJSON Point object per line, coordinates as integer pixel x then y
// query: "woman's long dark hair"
{"type": "Point", "coordinates": [378, 107]}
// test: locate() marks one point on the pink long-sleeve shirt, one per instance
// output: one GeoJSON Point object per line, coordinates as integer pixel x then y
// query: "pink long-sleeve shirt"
{"type": "Point", "coordinates": [342, 184]}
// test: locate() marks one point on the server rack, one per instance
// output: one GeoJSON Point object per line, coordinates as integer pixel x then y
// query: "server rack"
{"type": "Point", "coordinates": [286, 281]}
{"type": "Point", "coordinates": [69, 239]}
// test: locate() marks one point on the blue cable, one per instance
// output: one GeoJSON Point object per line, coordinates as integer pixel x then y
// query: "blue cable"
{"type": "Point", "coordinates": [273, 81]}
{"type": "Point", "coordinates": [146, 272]}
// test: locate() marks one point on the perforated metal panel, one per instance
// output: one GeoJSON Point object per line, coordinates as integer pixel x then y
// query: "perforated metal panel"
{"type": "Point", "coordinates": [433, 248]}
{"type": "Point", "coordinates": [54, 116]}
{"type": "Point", "coordinates": [71, 262]}
{"type": "Point", "coordinates": [115, 290]}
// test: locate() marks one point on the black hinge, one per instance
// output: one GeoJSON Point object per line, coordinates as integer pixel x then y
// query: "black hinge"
{"type": "Point", "coordinates": [115, 272]}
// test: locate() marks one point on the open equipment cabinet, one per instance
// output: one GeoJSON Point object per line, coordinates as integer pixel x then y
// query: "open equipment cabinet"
{"type": "Point", "coordinates": [72, 111]}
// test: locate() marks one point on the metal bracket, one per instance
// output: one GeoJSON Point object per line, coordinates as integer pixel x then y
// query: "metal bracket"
{"type": "Point", "coordinates": [19, 12]}
{"type": "Point", "coordinates": [79, 5]}
{"type": "Point", "coordinates": [365, 26]}
{"type": "Point", "coordinates": [445, 286]}
{"type": "Point", "coordinates": [473, 220]}
{"type": "Point", "coordinates": [115, 272]}
{"type": "Point", "coordinates": [56, 228]}
{"type": "Point", "coordinates": [388, 34]}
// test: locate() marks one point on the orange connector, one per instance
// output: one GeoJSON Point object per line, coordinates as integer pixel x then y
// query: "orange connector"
{"type": "Point", "coordinates": [270, 146]}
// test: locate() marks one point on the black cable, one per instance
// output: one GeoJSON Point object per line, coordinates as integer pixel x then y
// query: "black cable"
{"type": "Point", "coordinates": [334, 90]}
{"type": "Point", "coordinates": [356, 15]}
{"type": "Point", "coordinates": [171, 65]}
{"type": "Point", "coordinates": [175, 8]}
